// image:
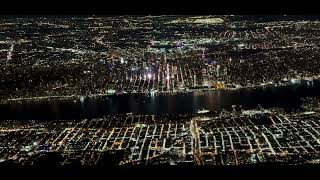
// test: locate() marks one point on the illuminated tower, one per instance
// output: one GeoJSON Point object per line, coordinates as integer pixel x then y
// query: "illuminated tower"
{"type": "Point", "coordinates": [203, 55]}
{"type": "Point", "coordinates": [225, 74]}
{"type": "Point", "coordinates": [218, 70]}
{"type": "Point", "coordinates": [168, 77]}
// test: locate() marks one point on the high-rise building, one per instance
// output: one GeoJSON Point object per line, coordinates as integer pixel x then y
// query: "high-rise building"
{"type": "Point", "coordinates": [203, 55]}
{"type": "Point", "coordinates": [225, 73]}
{"type": "Point", "coordinates": [218, 70]}
{"type": "Point", "coordinates": [168, 77]}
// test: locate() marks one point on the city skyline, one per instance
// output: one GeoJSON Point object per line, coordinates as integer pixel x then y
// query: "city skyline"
{"type": "Point", "coordinates": [220, 90]}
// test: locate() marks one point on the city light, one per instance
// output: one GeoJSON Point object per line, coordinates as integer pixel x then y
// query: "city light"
{"type": "Point", "coordinates": [189, 90]}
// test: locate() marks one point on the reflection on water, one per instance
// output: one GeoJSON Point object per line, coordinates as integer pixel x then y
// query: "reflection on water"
{"type": "Point", "coordinates": [286, 97]}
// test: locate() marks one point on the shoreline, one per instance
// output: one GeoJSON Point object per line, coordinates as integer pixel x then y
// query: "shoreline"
{"type": "Point", "coordinates": [155, 93]}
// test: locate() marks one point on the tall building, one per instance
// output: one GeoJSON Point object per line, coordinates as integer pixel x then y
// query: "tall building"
{"type": "Point", "coordinates": [203, 55]}
{"type": "Point", "coordinates": [218, 70]}
{"type": "Point", "coordinates": [168, 77]}
{"type": "Point", "coordinates": [225, 74]}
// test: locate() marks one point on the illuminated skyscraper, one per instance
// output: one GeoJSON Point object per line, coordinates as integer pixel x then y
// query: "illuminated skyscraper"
{"type": "Point", "coordinates": [168, 78]}
{"type": "Point", "coordinates": [218, 70]}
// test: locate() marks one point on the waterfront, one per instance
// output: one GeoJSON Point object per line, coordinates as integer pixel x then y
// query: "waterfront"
{"type": "Point", "coordinates": [287, 97]}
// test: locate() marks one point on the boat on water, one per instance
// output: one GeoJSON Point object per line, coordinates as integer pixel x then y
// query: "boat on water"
{"type": "Point", "coordinates": [203, 111]}
{"type": "Point", "coordinates": [82, 99]}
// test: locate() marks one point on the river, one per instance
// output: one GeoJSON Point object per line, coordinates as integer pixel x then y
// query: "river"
{"type": "Point", "coordinates": [287, 97]}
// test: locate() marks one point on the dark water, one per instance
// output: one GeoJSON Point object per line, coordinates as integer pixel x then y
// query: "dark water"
{"type": "Point", "coordinates": [285, 97]}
